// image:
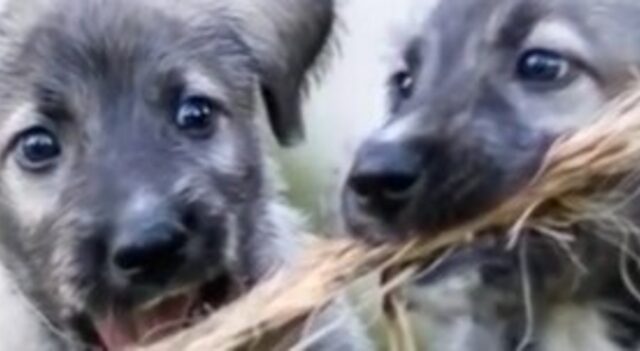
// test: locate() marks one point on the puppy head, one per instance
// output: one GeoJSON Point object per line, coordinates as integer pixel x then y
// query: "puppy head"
{"type": "Point", "coordinates": [480, 92]}
{"type": "Point", "coordinates": [132, 171]}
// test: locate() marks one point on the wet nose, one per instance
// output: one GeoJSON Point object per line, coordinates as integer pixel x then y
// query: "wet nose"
{"type": "Point", "coordinates": [151, 251]}
{"type": "Point", "coordinates": [385, 177]}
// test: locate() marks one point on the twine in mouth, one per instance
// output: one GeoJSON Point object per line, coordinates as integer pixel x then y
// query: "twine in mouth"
{"type": "Point", "coordinates": [580, 179]}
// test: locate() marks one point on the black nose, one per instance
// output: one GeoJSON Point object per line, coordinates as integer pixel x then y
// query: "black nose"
{"type": "Point", "coordinates": [385, 176]}
{"type": "Point", "coordinates": [150, 254]}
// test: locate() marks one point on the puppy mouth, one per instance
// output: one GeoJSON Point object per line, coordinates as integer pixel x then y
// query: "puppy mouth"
{"type": "Point", "coordinates": [162, 317]}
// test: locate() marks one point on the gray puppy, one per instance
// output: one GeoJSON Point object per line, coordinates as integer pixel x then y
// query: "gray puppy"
{"type": "Point", "coordinates": [481, 91]}
{"type": "Point", "coordinates": [135, 192]}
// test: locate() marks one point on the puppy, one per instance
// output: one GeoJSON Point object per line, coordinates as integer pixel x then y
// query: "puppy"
{"type": "Point", "coordinates": [135, 192]}
{"type": "Point", "coordinates": [480, 92]}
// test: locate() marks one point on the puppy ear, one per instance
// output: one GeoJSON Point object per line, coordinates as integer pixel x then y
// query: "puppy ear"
{"type": "Point", "coordinates": [286, 37]}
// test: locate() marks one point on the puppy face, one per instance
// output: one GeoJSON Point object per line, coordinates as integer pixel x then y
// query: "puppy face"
{"type": "Point", "coordinates": [481, 91]}
{"type": "Point", "coordinates": [132, 172]}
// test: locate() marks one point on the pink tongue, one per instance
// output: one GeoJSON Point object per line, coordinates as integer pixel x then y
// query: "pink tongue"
{"type": "Point", "coordinates": [119, 332]}
{"type": "Point", "coordinates": [114, 334]}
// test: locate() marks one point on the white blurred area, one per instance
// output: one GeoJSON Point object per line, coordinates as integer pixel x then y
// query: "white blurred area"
{"type": "Point", "coordinates": [347, 104]}
{"type": "Point", "coordinates": [20, 325]}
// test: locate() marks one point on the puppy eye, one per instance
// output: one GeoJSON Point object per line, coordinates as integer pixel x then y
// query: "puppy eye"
{"type": "Point", "coordinates": [543, 66]}
{"type": "Point", "coordinates": [38, 149]}
{"type": "Point", "coordinates": [403, 83]}
{"type": "Point", "coordinates": [197, 115]}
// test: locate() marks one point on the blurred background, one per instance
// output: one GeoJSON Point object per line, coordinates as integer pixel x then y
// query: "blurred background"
{"type": "Point", "coordinates": [343, 107]}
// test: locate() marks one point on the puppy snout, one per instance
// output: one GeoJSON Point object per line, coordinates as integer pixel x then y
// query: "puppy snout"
{"type": "Point", "coordinates": [385, 177]}
{"type": "Point", "coordinates": [159, 249]}
{"type": "Point", "coordinates": [150, 249]}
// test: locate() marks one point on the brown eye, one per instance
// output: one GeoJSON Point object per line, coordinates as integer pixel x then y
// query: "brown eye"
{"type": "Point", "coordinates": [197, 116]}
{"type": "Point", "coordinates": [38, 149]}
{"type": "Point", "coordinates": [403, 83]}
{"type": "Point", "coordinates": [543, 66]}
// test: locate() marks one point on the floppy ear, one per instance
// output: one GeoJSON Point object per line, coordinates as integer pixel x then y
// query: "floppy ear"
{"type": "Point", "coordinates": [286, 37]}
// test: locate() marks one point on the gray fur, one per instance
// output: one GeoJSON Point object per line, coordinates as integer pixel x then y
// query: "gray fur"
{"type": "Point", "coordinates": [475, 132]}
{"type": "Point", "coordinates": [105, 77]}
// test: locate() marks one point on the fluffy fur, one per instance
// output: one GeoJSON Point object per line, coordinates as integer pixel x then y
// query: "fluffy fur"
{"type": "Point", "coordinates": [466, 128]}
{"type": "Point", "coordinates": [108, 78]}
